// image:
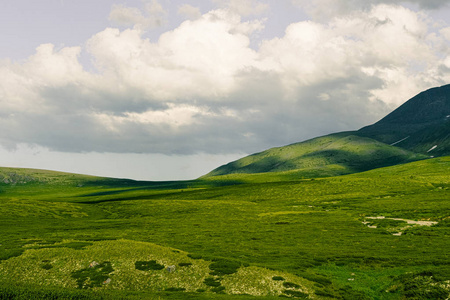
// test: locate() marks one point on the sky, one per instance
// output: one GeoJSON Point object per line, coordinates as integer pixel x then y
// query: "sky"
{"type": "Point", "coordinates": [171, 89]}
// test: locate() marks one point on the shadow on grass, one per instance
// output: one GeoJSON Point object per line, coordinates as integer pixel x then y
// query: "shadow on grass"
{"type": "Point", "coordinates": [170, 186]}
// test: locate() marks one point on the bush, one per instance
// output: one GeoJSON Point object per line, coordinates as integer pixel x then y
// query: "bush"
{"type": "Point", "coordinates": [420, 286]}
{"type": "Point", "coordinates": [278, 278]}
{"type": "Point", "coordinates": [218, 289]}
{"type": "Point", "coordinates": [47, 266]}
{"type": "Point", "coordinates": [194, 256]}
{"type": "Point", "coordinates": [317, 278]}
{"type": "Point", "coordinates": [185, 264]}
{"type": "Point", "coordinates": [296, 294]}
{"type": "Point", "coordinates": [93, 276]}
{"type": "Point", "coordinates": [224, 267]}
{"type": "Point", "coordinates": [210, 281]}
{"type": "Point", "coordinates": [148, 265]}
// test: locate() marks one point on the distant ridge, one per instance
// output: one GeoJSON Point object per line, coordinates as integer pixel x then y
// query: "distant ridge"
{"type": "Point", "coordinates": [418, 129]}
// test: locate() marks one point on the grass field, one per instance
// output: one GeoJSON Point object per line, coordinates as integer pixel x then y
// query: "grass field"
{"type": "Point", "coordinates": [239, 236]}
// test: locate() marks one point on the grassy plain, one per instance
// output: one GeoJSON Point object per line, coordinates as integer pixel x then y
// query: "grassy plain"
{"type": "Point", "coordinates": [237, 236]}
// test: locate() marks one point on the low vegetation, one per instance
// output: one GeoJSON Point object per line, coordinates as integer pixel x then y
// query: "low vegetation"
{"type": "Point", "coordinates": [241, 237]}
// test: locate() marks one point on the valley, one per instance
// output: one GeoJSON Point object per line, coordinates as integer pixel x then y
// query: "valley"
{"type": "Point", "coordinates": [227, 239]}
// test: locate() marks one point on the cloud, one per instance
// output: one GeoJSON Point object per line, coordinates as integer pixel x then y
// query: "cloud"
{"type": "Point", "coordinates": [325, 9]}
{"type": "Point", "coordinates": [189, 12]}
{"type": "Point", "coordinates": [151, 16]}
{"type": "Point", "coordinates": [244, 7]}
{"type": "Point", "coordinates": [201, 88]}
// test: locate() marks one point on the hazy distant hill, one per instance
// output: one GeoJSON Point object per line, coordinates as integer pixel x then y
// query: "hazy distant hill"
{"type": "Point", "coordinates": [420, 124]}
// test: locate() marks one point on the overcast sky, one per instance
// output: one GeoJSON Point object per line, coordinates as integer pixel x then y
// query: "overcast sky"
{"type": "Point", "coordinates": [170, 89]}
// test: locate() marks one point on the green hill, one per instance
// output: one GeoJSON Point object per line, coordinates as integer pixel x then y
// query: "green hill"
{"type": "Point", "coordinates": [422, 124]}
{"type": "Point", "coordinates": [331, 155]}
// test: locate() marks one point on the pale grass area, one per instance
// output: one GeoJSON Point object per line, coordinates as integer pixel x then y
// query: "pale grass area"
{"type": "Point", "coordinates": [27, 269]}
{"type": "Point", "coordinates": [15, 207]}
{"type": "Point", "coordinates": [258, 282]}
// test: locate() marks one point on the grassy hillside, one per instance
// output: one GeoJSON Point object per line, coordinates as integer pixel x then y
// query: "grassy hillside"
{"type": "Point", "coordinates": [420, 124]}
{"type": "Point", "coordinates": [331, 155]}
{"type": "Point", "coordinates": [381, 234]}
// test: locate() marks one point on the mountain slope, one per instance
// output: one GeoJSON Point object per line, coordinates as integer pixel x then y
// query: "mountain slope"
{"type": "Point", "coordinates": [420, 124]}
{"type": "Point", "coordinates": [335, 154]}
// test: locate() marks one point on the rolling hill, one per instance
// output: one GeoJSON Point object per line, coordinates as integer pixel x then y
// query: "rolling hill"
{"type": "Point", "coordinates": [331, 155]}
{"type": "Point", "coordinates": [418, 129]}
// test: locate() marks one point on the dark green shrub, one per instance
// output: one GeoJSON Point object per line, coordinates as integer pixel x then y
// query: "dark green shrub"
{"type": "Point", "coordinates": [224, 267]}
{"type": "Point", "coordinates": [185, 264]}
{"type": "Point", "coordinates": [347, 292]}
{"type": "Point", "coordinates": [296, 294]}
{"type": "Point", "coordinates": [290, 285]}
{"type": "Point", "coordinates": [93, 276]}
{"type": "Point", "coordinates": [148, 265]}
{"type": "Point", "coordinates": [420, 286]}
{"type": "Point", "coordinates": [194, 256]}
{"type": "Point", "coordinates": [317, 278]}
{"type": "Point", "coordinates": [201, 290]}
{"type": "Point", "coordinates": [277, 278]}
{"type": "Point", "coordinates": [218, 289]}
{"type": "Point", "coordinates": [210, 281]}
{"type": "Point", "coordinates": [46, 266]}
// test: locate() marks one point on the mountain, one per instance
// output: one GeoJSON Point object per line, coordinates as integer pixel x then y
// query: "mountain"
{"type": "Point", "coordinates": [418, 129]}
{"type": "Point", "coordinates": [422, 124]}
{"type": "Point", "coordinates": [331, 155]}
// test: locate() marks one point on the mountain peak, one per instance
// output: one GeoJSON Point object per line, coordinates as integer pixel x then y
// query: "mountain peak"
{"type": "Point", "coordinates": [418, 125]}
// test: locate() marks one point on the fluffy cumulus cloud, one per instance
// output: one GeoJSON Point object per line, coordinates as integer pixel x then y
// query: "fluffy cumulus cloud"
{"type": "Point", "coordinates": [201, 88]}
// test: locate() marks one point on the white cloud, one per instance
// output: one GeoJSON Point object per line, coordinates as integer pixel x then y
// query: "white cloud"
{"type": "Point", "coordinates": [189, 12]}
{"type": "Point", "coordinates": [204, 53]}
{"type": "Point", "coordinates": [152, 16]}
{"type": "Point", "coordinates": [126, 16]}
{"type": "Point", "coordinates": [244, 7]}
{"type": "Point", "coordinates": [326, 9]}
{"type": "Point", "coordinates": [202, 88]}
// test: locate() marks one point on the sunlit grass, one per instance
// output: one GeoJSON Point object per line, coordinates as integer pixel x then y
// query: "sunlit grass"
{"type": "Point", "coordinates": [310, 232]}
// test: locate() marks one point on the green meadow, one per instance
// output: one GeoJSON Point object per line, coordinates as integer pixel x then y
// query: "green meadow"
{"type": "Point", "coordinates": [380, 234]}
